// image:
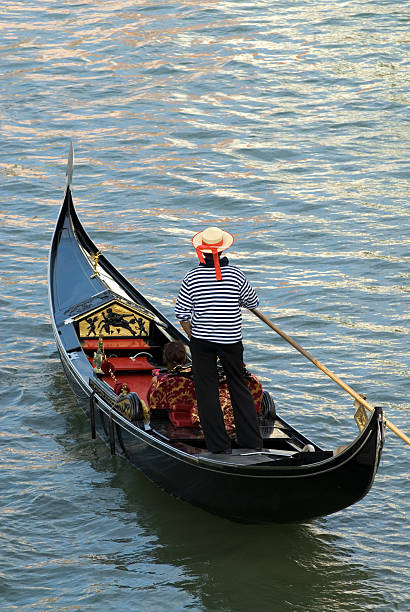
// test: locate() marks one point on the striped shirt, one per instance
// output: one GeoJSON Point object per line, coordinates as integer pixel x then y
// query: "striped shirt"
{"type": "Point", "coordinates": [214, 307]}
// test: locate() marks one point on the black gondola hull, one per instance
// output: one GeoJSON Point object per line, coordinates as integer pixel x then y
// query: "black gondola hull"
{"type": "Point", "coordinates": [252, 496]}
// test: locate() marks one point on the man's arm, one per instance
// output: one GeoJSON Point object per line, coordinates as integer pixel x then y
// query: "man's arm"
{"type": "Point", "coordinates": [184, 308]}
{"type": "Point", "coordinates": [248, 297]}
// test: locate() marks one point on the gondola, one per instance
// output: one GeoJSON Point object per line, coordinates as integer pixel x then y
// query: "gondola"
{"type": "Point", "coordinates": [98, 315]}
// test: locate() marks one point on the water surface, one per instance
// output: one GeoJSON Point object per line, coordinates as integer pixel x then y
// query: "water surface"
{"type": "Point", "coordinates": [286, 124]}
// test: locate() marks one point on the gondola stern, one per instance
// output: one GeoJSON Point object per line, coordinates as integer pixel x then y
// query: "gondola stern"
{"type": "Point", "coordinates": [61, 219]}
{"type": "Point", "coordinates": [67, 208]}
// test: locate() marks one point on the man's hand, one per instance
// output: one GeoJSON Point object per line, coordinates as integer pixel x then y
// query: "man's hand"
{"type": "Point", "coordinates": [186, 326]}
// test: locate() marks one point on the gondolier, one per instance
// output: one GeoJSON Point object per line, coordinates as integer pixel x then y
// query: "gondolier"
{"type": "Point", "coordinates": [209, 310]}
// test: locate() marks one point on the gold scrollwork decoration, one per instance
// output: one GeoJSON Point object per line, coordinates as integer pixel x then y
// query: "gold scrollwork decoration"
{"type": "Point", "coordinates": [360, 415]}
{"type": "Point", "coordinates": [99, 356]}
{"type": "Point", "coordinates": [95, 259]}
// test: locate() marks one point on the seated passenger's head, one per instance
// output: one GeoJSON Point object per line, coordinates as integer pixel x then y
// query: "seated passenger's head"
{"type": "Point", "coordinates": [174, 354]}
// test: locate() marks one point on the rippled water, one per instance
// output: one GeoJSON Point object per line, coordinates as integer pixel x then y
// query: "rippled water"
{"type": "Point", "coordinates": [287, 124]}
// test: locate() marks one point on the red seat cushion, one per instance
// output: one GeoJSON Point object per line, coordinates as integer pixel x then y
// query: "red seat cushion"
{"type": "Point", "coordinates": [180, 415]}
{"type": "Point", "coordinates": [126, 363]}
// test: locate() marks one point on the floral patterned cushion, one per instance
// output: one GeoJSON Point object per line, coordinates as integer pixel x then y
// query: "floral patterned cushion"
{"type": "Point", "coordinates": [177, 394]}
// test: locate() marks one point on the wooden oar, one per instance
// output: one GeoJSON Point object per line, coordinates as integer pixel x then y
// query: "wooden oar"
{"type": "Point", "coordinates": [324, 369]}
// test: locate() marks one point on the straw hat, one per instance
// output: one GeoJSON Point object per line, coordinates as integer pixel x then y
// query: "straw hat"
{"type": "Point", "coordinates": [217, 239]}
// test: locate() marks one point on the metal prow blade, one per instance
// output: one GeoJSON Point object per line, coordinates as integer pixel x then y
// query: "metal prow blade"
{"type": "Point", "coordinates": [70, 165]}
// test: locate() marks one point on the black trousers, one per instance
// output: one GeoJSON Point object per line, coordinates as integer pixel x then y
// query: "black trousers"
{"type": "Point", "coordinates": [205, 375]}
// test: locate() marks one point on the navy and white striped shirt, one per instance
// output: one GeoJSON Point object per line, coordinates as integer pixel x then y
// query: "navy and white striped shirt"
{"type": "Point", "coordinates": [214, 307]}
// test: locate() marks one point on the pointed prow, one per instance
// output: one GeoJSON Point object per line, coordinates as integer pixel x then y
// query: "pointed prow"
{"type": "Point", "coordinates": [70, 165]}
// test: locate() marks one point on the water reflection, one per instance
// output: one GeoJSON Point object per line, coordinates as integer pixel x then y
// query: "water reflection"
{"type": "Point", "coordinates": [289, 565]}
